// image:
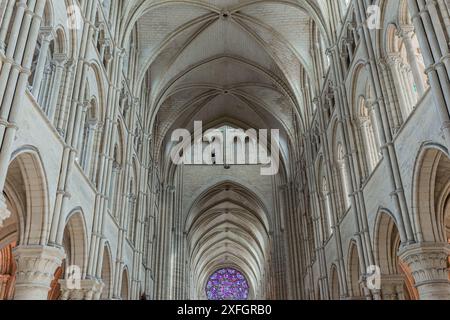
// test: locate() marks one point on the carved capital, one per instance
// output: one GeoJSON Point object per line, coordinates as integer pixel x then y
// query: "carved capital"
{"type": "Point", "coordinates": [427, 262]}
{"type": "Point", "coordinates": [60, 59]}
{"type": "Point", "coordinates": [36, 266]}
{"type": "Point", "coordinates": [85, 290]}
{"type": "Point", "coordinates": [47, 33]}
{"type": "Point", "coordinates": [405, 32]}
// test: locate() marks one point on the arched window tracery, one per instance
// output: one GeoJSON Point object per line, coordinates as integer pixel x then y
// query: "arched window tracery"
{"type": "Point", "coordinates": [370, 140]}
{"type": "Point", "coordinates": [407, 66]}
{"type": "Point", "coordinates": [227, 284]}
{"type": "Point", "coordinates": [48, 67]}
{"type": "Point", "coordinates": [87, 140]}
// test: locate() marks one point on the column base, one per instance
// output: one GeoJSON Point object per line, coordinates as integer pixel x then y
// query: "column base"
{"type": "Point", "coordinates": [36, 266]}
{"type": "Point", "coordinates": [428, 263]}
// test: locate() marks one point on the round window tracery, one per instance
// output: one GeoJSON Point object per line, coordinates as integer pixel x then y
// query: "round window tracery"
{"type": "Point", "coordinates": [227, 284]}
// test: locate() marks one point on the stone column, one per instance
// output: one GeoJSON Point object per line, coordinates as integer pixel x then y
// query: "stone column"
{"type": "Point", "coordinates": [132, 219]}
{"type": "Point", "coordinates": [36, 266]}
{"type": "Point", "coordinates": [344, 56]}
{"type": "Point", "coordinates": [87, 156]}
{"type": "Point", "coordinates": [365, 130]}
{"type": "Point", "coordinates": [412, 60]}
{"type": "Point", "coordinates": [433, 17]}
{"type": "Point", "coordinates": [105, 163]}
{"type": "Point", "coordinates": [435, 70]}
{"type": "Point", "coordinates": [107, 58]}
{"type": "Point", "coordinates": [80, 129]}
{"type": "Point", "coordinates": [115, 172]}
{"type": "Point", "coordinates": [97, 30]}
{"type": "Point", "coordinates": [428, 263]}
{"type": "Point", "coordinates": [374, 137]}
{"type": "Point", "coordinates": [46, 87]}
{"type": "Point", "coordinates": [407, 87]}
{"type": "Point", "coordinates": [101, 51]}
{"type": "Point", "coordinates": [394, 63]}
{"type": "Point", "coordinates": [65, 97]}
{"type": "Point", "coordinates": [95, 153]}
{"type": "Point", "coordinates": [46, 34]}
{"type": "Point", "coordinates": [392, 95]}
{"type": "Point", "coordinates": [4, 212]}
{"type": "Point", "coordinates": [59, 60]}
{"type": "Point", "coordinates": [9, 90]}
{"type": "Point", "coordinates": [444, 6]}
{"type": "Point", "coordinates": [333, 206]}
{"type": "Point", "coordinates": [9, 61]}
{"type": "Point", "coordinates": [382, 125]}
{"type": "Point", "coordinates": [5, 24]}
{"type": "Point", "coordinates": [349, 140]}
{"type": "Point", "coordinates": [13, 90]}
{"type": "Point", "coordinates": [349, 45]}
{"type": "Point", "coordinates": [87, 290]}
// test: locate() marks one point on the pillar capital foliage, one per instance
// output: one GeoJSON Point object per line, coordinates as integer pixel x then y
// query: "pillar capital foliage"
{"type": "Point", "coordinates": [47, 33]}
{"type": "Point", "coordinates": [90, 289]}
{"type": "Point", "coordinates": [36, 265]}
{"type": "Point", "coordinates": [427, 261]}
{"type": "Point", "coordinates": [60, 59]}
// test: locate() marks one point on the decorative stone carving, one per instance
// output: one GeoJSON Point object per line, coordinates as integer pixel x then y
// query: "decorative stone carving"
{"type": "Point", "coordinates": [87, 290]}
{"type": "Point", "coordinates": [428, 263]}
{"type": "Point", "coordinates": [36, 266]}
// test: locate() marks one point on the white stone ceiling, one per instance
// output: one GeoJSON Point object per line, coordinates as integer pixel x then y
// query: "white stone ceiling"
{"type": "Point", "coordinates": [225, 62]}
{"type": "Point", "coordinates": [246, 50]}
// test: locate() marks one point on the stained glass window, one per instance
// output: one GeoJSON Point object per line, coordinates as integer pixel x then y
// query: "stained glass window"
{"type": "Point", "coordinates": [227, 284]}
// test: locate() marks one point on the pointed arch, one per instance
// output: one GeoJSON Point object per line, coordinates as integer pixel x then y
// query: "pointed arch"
{"type": "Point", "coordinates": [227, 227]}
{"type": "Point", "coordinates": [334, 283]}
{"type": "Point", "coordinates": [76, 247]}
{"type": "Point", "coordinates": [386, 242]}
{"type": "Point", "coordinates": [107, 273]}
{"type": "Point", "coordinates": [26, 175]}
{"type": "Point", "coordinates": [125, 286]}
{"type": "Point", "coordinates": [354, 271]}
{"type": "Point", "coordinates": [431, 194]}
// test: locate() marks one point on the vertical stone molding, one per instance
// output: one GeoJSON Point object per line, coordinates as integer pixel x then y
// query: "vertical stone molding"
{"type": "Point", "coordinates": [47, 35]}
{"type": "Point", "coordinates": [429, 267]}
{"type": "Point", "coordinates": [4, 212]}
{"type": "Point", "coordinates": [59, 61]}
{"type": "Point", "coordinates": [36, 266]}
{"type": "Point", "coordinates": [84, 290]}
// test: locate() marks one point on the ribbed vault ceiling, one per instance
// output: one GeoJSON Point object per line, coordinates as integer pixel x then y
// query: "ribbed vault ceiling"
{"type": "Point", "coordinates": [252, 51]}
{"type": "Point", "coordinates": [225, 62]}
{"type": "Point", "coordinates": [227, 227]}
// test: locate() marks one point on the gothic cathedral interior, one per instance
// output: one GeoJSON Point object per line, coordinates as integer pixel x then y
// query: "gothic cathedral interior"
{"type": "Point", "coordinates": [119, 179]}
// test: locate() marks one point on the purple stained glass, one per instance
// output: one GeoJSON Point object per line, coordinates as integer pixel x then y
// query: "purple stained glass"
{"type": "Point", "coordinates": [227, 284]}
